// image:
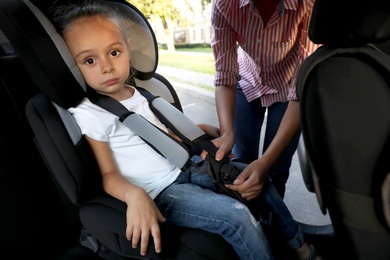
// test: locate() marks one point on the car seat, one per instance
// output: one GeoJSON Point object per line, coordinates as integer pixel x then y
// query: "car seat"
{"type": "Point", "coordinates": [344, 94]}
{"type": "Point", "coordinates": [30, 205]}
{"type": "Point", "coordinates": [97, 220]}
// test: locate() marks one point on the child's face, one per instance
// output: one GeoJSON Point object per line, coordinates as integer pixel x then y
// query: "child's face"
{"type": "Point", "coordinates": [101, 54]}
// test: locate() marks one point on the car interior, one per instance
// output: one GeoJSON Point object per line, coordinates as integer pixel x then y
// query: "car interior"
{"type": "Point", "coordinates": [52, 200]}
{"type": "Point", "coordinates": [343, 90]}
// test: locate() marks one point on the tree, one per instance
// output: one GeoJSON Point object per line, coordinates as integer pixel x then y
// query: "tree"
{"type": "Point", "coordinates": [205, 2]}
{"type": "Point", "coordinates": [167, 11]}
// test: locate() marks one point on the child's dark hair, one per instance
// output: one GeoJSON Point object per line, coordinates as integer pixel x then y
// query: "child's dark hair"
{"type": "Point", "coordinates": [64, 15]}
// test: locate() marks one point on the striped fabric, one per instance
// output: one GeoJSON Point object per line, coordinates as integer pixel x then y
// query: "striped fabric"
{"type": "Point", "coordinates": [265, 59]}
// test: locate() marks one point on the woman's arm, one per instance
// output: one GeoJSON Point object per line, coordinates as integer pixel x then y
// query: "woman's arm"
{"type": "Point", "coordinates": [225, 99]}
{"type": "Point", "coordinates": [224, 46]}
{"type": "Point", "coordinates": [250, 182]}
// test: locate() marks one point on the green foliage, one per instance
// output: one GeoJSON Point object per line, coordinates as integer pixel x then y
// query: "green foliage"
{"type": "Point", "coordinates": [205, 2]}
{"type": "Point", "coordinates": [165, 9]}
{"type": "Point", "coordinates": [194, 59]}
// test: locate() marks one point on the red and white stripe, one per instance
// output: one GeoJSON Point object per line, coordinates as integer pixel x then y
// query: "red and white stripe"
{"type": "Point", "coordinates": [268, 58]}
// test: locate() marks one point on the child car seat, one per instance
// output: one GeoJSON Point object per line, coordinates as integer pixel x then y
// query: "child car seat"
{"type": "Point", "coordinates": [344, 94]}
{"type": "Point", "coordinates": [98, 217]}
{"type": "Point", "coordinates": [26, 220]}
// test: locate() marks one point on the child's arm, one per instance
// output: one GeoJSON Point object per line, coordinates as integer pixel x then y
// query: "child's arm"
{"type": "Point", "coordinates": [142, 214]}
{"type": "Point", "coordinates": [211, 130]}
{"type": "Point", "coordinates": [171, 133]}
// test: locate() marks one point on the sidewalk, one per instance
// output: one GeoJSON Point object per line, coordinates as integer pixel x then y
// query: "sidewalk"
{"type": "Point", "coordinates": [189, 81]}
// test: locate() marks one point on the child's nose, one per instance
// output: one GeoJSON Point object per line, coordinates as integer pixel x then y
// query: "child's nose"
{"type": "Point", "coordinates": [107, 67]}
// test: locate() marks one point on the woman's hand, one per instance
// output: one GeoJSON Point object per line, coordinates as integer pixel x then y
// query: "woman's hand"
{"type": "Point", "coordinates": [224, 143]}
{"type": "Point", "coordinates": [251, 180]}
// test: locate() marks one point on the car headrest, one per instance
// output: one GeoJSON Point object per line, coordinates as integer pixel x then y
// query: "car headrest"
{"type": "Point", "coordinates": [348, 22]}
{"type": "Point", "coordinates": [32, 34]}
{"type": "Point", "coordinates": [143, 43]}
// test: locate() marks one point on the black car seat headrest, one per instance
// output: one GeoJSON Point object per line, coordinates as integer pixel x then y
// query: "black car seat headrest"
{"type": "Point", "coordinates": [56, 73]}
{"type": "Point", "coordinates": [350, 22]}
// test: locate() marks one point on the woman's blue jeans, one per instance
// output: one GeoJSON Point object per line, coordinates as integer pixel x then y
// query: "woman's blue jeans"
{"type": "Point", "coordinates": [191, 201]}
{"type": "Point", "coordinates": [248, 121]}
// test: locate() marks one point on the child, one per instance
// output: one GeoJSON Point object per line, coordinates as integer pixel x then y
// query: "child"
{"type": "Point", "coordinates": [154, 189]}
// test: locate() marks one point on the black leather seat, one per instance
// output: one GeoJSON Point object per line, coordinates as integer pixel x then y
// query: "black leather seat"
{"type": "Point", "coordinates": [30, 204]}
{"type": "Point", "coordinates": [344, 94]}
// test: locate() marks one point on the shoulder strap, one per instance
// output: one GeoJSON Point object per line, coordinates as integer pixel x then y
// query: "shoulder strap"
{"type": "Point", "coordinates": [174, 151]}
{"type": "Point", "coordinates": [170, 116]}
{"type": "Point", "coordinates": [179, 123]}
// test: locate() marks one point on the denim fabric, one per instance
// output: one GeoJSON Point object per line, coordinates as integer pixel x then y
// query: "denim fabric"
{"type": "Point", "coordinates": [248, 121]}
{"type": "Point", "coordinates": [191, 201]}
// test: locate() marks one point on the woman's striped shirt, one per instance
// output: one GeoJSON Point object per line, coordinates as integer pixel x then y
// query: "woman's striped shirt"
{"type": "Point", "coordinates": [266, 59]}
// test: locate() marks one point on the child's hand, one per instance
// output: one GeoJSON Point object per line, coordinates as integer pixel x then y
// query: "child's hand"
{"type": "Point", "coordinates": [210, 130]}
{"type": "Point", "coordinates": [142, 220]}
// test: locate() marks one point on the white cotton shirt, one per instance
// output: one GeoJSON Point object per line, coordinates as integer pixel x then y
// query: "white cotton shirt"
{"type": "Point", "coordinates": [136, 160]}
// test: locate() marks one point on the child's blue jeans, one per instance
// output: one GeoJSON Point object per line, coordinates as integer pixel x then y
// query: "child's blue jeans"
{"type": "Point", "coordinates": [191, 201]}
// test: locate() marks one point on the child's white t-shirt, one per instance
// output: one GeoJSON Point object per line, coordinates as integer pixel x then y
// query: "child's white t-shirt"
{"type": "Point", "coordinates": [136, 160]}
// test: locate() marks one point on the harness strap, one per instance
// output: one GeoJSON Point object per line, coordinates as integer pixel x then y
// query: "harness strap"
{"type": "Point", "coordinates": [221, 172]}
{"type": "Point", "coordinates": [161, 142]}
{"type": "Point", "coordinates": [171, 117]}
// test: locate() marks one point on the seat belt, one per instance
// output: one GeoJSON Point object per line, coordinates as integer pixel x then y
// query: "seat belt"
{"type": "Point", "coordinates": [220, 172]}
{"type": "Point", "coordinates": [176, 152]}
{"type": "Point", "coordinates": [170, 116]}
{"type": "Point", "coordinates": [180, 124]}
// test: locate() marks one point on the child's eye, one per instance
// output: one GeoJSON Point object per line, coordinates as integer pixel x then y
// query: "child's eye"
{"type": "Point", "coordinates": [89, 61]}
{"type": "Point", "coordinates": [115, 53]}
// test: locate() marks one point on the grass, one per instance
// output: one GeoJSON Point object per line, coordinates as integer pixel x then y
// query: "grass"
{"type": "Point", "coordinates": [204, 50]}
{"type": "Point", "coordinates": [194, 59]}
